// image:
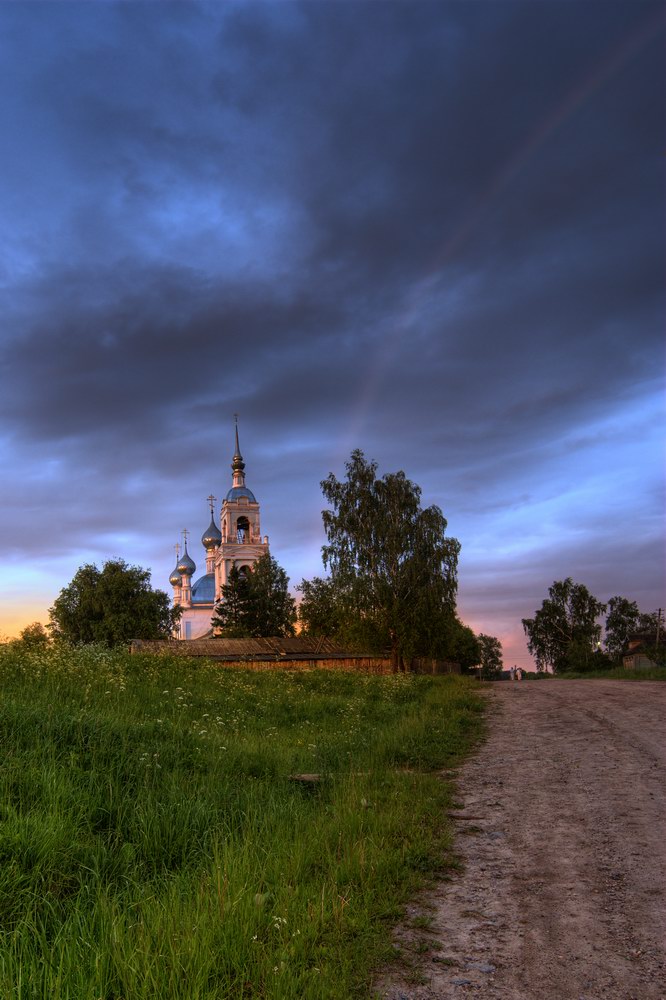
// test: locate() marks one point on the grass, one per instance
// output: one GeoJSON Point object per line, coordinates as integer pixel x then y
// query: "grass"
{"type": "Point", "coordinates": [618, 674]}
{"type": "Point", "coordinates": [152, 844]}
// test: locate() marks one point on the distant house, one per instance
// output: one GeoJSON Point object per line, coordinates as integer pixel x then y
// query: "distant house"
{"type": "Point", "coordinates": [635, 656]}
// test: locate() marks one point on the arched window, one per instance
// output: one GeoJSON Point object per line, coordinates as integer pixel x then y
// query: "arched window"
{"type": "Point", "coordinates": [242, 530]}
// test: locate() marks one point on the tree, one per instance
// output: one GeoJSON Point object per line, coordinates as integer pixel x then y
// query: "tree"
{"type": "Point", "coordinates": [624, 619]}
{"type": "Point", "coordinates": [113, 606]}
{"type": "Point", "coordinates": [273, 607]}
{"type": "Point", "coordinates": [34, 636]}
{"type": "Point", "coordinates": [564, 632]}
{"type": "Point", "coordinates": [393, 570]}
{"type": "Point", "coordinates": [491, 656]}
{"type": "Point", "coordinates": [231, 614]}
{"type": "Point", "coordinates": [319, 611]}
{"type": "Point", "coordinates": [256, 602]}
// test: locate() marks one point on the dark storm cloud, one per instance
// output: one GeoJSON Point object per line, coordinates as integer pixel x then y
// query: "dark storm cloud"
{"type": "Point", "coordinates": [390, 155]}
{"type": "Point", "coordinates": [109, 346]}
{"type": "Point", "coordinates": [428, 229]}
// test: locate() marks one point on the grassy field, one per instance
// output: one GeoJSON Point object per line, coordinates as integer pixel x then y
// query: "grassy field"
{"type": "Point", "coordinates": [152, 844]}
{"type": "Point", "coordinates": [619, 674]}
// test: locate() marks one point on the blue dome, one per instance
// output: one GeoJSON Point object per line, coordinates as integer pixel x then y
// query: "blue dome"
{"type": "Point", "coordinates": [203, 589]}
{"type": "Point", "coordinates": [175, 579]}
{"type": "Point", "coordinates": [240, 491]}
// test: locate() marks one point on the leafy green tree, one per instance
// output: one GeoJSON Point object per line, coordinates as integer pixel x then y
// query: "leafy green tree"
{"type": "Point", "coordinates": [580, 659]}
{"type": "Point", "coordinates": [444, 637]}
{"type": "Point", "coordinates": [319, 611]}
{"type": "Point", "coordinates": [34, 636]}
{"type": "Point", "coordinates": [393, 570]}
{"type": "Point", "coordinates": [232, 613]}
{"type": "Point", "coordinates": [564, 632]}
{"type": "Point", "coordinates": [461, 645]}
{"type": "Point", "coordinates": [491, 656]}
{"type": "Point", "coordinates": [113, 606]}
{"type": "Point", "coordinates": [657, 653]}
{"type": "Point", "coordinates": [256, 602]}
{"type": "Point", "coordinates": [273, 607]}
{"type": "Point", "coordinates": [625, 619]}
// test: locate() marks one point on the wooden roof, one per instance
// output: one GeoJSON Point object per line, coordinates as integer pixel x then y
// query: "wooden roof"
{"type": "Point", "coordinates": [289, 647]}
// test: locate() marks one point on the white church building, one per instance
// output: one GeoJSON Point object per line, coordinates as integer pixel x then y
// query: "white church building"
{"type": "Point", "coordinates": [237, 542]}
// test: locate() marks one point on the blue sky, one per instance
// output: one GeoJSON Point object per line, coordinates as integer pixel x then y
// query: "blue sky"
{"type": "Point", "coordinates": [433, 231]}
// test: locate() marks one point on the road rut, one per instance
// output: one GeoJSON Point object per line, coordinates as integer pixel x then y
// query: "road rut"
{"type": "Point", "coordinates": [561, 828]}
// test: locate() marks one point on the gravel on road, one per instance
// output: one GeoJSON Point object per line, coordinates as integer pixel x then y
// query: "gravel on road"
{"type": "Point", "coordinates": [561, 828]}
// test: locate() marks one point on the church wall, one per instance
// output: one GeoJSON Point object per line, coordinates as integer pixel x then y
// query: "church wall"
{"type": "Point", "coordinates": [195, 622]}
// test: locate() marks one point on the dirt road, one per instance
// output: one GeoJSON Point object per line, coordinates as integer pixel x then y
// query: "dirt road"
{"type": "Point", "coordinates": [562, 830]}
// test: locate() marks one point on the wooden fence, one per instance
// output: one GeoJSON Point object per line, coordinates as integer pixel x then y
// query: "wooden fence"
{"type": "Point", "coordinates": [293, 653]}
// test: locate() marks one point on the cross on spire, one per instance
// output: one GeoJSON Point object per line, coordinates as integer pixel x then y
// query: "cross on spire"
{"type": "Point", "coordinates": [177, 548]}
{"type": "Point", "coordinates": [185, 534]}
{"type": "Point", "coordinates": [211, 500]}
{"type": "Point", "coordinates": [238, 465]}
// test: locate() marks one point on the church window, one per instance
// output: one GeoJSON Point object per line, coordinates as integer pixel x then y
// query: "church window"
{"type": "Point", "coordinates": [242, 530]}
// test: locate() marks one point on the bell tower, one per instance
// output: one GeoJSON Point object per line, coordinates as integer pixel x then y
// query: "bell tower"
{"type": "Point", "coordinates": [240, 523]}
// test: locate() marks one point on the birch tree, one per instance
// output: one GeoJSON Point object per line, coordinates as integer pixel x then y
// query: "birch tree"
{"type": "Point", "coordinates": [393, 568]}
{"type": "Point", "coordinates": [565, 628]}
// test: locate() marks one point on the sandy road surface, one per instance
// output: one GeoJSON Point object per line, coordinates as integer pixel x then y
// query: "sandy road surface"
{"type": "Point", "coordinates": [562, 830]}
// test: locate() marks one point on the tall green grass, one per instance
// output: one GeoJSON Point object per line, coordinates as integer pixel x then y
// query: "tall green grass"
{"type": "Point", "coordinates": [153, 844]}
{"type": "Point", "coordinates": [617, 674]}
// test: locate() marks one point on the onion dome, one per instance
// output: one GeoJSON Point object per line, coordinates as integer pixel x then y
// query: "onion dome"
{"type": "Point", "coordinates": [175, 579]}
{"type": "Point", "coordinates": [241, 491]}
{"type": "Point", "coordinates": [186, 565]}
{"type": "Point", "coordinates": [212, 536]}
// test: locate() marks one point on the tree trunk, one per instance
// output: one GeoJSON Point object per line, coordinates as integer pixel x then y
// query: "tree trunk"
{"type": "Point", "coordinates": [396, 659]}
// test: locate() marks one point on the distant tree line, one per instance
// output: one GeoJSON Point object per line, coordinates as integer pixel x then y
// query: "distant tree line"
{"type": "Point", "coordinates": [565, 632]}
{"type": "Point", "coordinates": [391, 586]}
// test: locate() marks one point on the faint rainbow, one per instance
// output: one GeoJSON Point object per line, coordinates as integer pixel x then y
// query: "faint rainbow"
{"type": "Point", "coordinates": [607, 68]}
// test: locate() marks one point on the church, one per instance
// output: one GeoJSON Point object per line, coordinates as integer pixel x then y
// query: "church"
{"type": "Point", "coordinates": [237, 542]}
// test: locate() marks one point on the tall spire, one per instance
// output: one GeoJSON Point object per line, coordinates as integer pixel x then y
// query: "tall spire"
{"type": "Point", "coordinates": [238, 465]}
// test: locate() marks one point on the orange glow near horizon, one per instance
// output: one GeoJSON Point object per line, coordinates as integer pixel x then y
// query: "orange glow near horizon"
{"type": "Point", "coordinates": [29, 602]}
{"type": "Point", "coordinates": [14, 620]}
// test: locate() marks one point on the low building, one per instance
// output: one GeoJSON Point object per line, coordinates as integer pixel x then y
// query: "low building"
{"type": "Point", "coordinates": [635, 656]}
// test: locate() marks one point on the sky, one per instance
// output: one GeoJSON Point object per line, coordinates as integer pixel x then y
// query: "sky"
{"type": "Point", "coordinates": [431, 231]}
